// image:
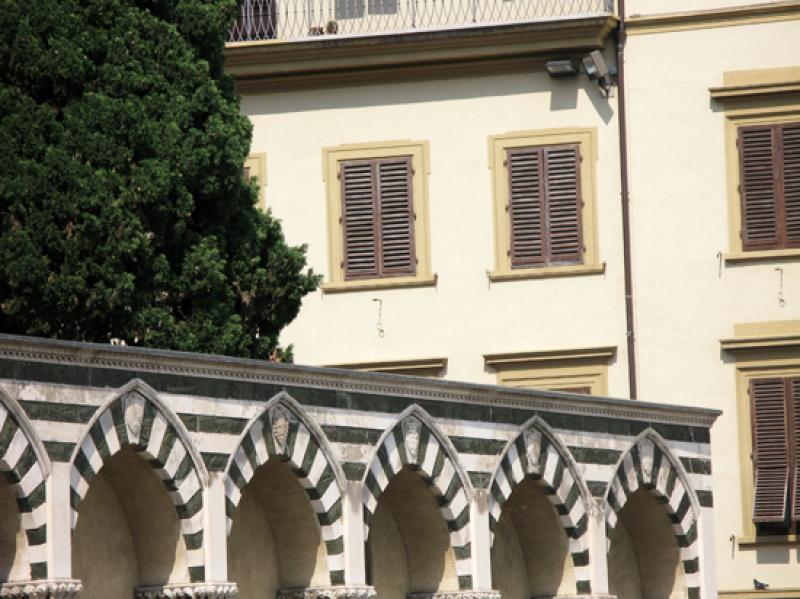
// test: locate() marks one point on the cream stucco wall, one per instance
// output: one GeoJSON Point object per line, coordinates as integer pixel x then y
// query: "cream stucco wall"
{"type": "Point", "coordinates": [650, 7]}
{"type": "Point", "coordinates": [687, 299]}
{"type": "Point", "coordinates": [464, 316]}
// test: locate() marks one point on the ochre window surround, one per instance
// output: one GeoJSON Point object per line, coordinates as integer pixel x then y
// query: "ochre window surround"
{"type": "Point", "coordinates": [255, 167]}
{"type": "Point", "coordinates": [759, 104]}
{"type": "Point", "coordinates": [377, 212]}
{"type": "Point", "coordinates": [573, 370]}
{"type": "Point", "coordinates": [763, 351]}
{"type": "Point", "coordinates": [544, 192]}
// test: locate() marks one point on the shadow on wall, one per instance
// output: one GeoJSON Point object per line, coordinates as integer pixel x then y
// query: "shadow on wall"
{"type": "Point", "coordinates": [644, 560]}
{"type": "Point", "coordinates": [128, 532]}
{"type": "Point", "coordinates": [563, 94]}
{"type": "Point", "coordinates": [409, 545]}
{"type": "Point", "coordinates": [275, 540]}
{"type": "Point", "coordinates": [13, 543]}
{"type": "Point", "coordinates": [530, 554]}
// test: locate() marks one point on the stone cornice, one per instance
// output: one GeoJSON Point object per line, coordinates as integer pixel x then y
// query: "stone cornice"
{"type": "Point", "coordinates": [41, 589]}
{"type": "Point", "coordinates": [195, 590]}
{"type": "Point", "coordinates": [139, 360]}
{"type": "Point", "coordinates": [456, 595]}
{"type": "Point", "coordinates": [335, 592]}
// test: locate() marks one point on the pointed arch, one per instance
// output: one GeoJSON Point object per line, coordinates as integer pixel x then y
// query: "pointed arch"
{"type": "Point", "coordinates": [650, 463]}
{"type": "Point", "coordinates": [283, 430]}
{"type": "Point", "coordinates": [537, 452]}
{"type": "Point", "coordinates": [25, 461]}
{"type": "Point", "coordinates": [136, 416]}
{"type": "Point", "coordinates": [414, 440]}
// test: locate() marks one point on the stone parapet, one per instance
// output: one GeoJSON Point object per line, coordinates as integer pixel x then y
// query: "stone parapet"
{"type": "Point", "coordinates": [41, 589]}
{"type": "Point", "coordinates": [195, 590]}
{"type": "Point", "coordinates": [335, 592]}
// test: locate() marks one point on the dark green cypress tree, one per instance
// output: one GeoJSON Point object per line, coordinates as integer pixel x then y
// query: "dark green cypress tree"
{"type": "Point", "coordinates": [124, 210]}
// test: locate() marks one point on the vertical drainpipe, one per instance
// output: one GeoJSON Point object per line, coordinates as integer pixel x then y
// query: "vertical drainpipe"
{"type": "Point", "coordinates": [625, 197]}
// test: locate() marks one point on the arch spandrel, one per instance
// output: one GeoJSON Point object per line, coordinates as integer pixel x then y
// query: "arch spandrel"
{"type": "Point", "coordinates": [135, 416]}
{"type": "Point", "coordinates": [284, 431]}
{"type": "Point", "coordinates": [414, 440]}
{"type": "Point", "coordinates": [650, 463]}
{"type": "Point", "coordinates": [25, 461]}
{"type": "Point", "coordinates": [536, 451]}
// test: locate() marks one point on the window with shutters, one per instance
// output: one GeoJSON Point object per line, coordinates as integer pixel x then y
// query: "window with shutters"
{"type": "Point", "coordinates": [255, 169]}
{"type": "Point", "coordinates": [377, 208]}
{"type": "Point", "coordinates": [769, 186]}
{"type": "Point", "coordinates": [544, 203]}
{"type": "Point", "coordinates": [775, 421]}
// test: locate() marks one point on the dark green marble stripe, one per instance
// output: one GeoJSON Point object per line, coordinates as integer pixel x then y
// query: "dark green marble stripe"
{"type": "Point", "coordinates": [596, 487]}
{"type": "Point", "coordinates": [594, 455]}
{"type": "Point", "coordinates": [58, 412]}
{"type": "Point", "coordinates": [478, 446]}
{"type": "Point", "coordinates": [39, 570]}
{"type": "Point", "coordinates": [352, 434]}
{"type": "Point", "coordinates": [215, 462]}
{"type": "Point", "coordinates": [706, 498]}
{"type": "Point", "coordinates": [479, 480]}
{"type": "Point", "coordinates": [59, 451]}
{"type": "Point", "coordinates": [354, 470]}
{"type": "Point", "coordinates": [696, 465]}
{"type": "Point", "coordinates": [200, 423]}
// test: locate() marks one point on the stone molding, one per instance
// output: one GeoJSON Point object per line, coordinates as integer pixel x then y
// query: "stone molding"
{"type": "Point", "coordinates": [456, 595]}
{"type": "Point", "coordinates": [343, 592]}
{"type": "Point", "coordinates": [137, 359]}
{"type": "Point", "coordinates": [41, 589]}
{"type": "Point", "coordinates": [195, 590]}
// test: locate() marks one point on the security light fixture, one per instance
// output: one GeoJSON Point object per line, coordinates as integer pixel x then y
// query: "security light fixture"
{"type": "Point", "coordinates": [598, 71]}
{"type": "Point", "coordinates": [563, 67]}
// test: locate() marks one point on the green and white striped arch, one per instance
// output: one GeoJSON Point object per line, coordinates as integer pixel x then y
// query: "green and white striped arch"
{"type": "Point", "coordinates": [415, 441]}
{"type": "Point", "coordinates": [649, 463]}
{"type": "Point", "coordinates": [136, 417]}
{"type": "Point", "coordinates": [538, 453]}
{"type": "Point", "coordinates": [26, 466]}
{"type": "Point", "coordinates": [284, 432]}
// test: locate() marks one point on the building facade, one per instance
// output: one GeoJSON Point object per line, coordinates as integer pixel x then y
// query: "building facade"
{"type": "Point", "coordinates": [159, 474]}
{"type": "Point", "coordinates": [635, 235]}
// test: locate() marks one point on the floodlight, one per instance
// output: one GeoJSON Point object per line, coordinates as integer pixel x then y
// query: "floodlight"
{"type": "Point", "coordinates": [565, 67]}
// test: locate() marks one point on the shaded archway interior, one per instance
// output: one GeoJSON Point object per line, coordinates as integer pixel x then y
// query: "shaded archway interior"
{"type": "Point", "coordinates": [275, 540]}
{"type": "Point", "coordinates": [409, 544]}
{"type": "Point", "coordinates": [128, 533]}
{"type": "Point", "coordinates": [14, 564]}
{"type": "Point", "coordinates": [644, 559]}
{"type": "Point", "coordinates": [530, 554]}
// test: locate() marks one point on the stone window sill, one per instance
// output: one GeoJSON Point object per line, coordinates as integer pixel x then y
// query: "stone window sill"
{"type": "Point", "coordinates": [547, 272]}
{"type": "Point", "coordinates": [375, 284]}
{"type": "Point", "coordinates": [761, 256]}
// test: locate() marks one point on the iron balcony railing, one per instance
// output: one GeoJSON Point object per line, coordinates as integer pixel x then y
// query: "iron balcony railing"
{"type": "Point", "coordinates": [302, 19]}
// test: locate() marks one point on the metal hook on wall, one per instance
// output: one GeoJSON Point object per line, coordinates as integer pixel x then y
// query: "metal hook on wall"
{"type": "Point", "coordinates": [781, 298]}
{"type": "Point", "coordinates": [379, 325]}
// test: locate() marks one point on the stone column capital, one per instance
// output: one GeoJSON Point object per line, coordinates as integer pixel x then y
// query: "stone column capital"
{"type": "Point", "coordinates": [41, 589]}
{"type": "Point", "coordinates": [456, 595]}
{"type": "Point", "coordinates": [333, 592]}
{"type": "Point", "coordinates": [193, 590]}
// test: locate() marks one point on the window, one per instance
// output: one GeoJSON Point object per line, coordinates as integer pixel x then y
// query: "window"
{"type": "Point", "coordinates": [544, 203]}
{"type": "Point", "coordinates": [583, 371]}
{"type": "Point", "coordinates": [762, 148]}
{"type": "Point", "coordinates": [255, 169]}
{"type": "Point", "coordinates": [377, 216]}
{"type": "Point", "coordinates": [769, 186]}
{"type": "Point", "coordinates": [775, 409]}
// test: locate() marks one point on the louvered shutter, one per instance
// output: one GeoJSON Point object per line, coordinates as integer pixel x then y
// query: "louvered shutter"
{"type": "Point", "coordinates": [770, 449]}
{"type": "Point", "coordinates": [793, 388]}
{"type": "Point", "coordinates": [790, 145]}
{"type": "Point", "coordinates": [396, 205]}
{"type": "Point", "coordinates": [526, 206]}
{"type": "Point", "coordinates": [562, 194]}
{"type": "Point", "coordinates": [758, 189]}
{"type": "Point", "coordinates": [359, 211]}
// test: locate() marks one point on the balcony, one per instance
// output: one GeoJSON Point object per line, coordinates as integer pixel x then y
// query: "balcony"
{"type": "Point", "coordinates": [333, 42]}
{"type": "Point", "coordinates": [294, 20]}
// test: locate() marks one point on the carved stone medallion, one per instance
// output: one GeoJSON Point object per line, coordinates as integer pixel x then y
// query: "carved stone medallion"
{"type": "Point", "coordinates": [533, 450]}
{"type": "Point", "coordinates": [133, 407]}
{"type": "Point", "coordinates": [411, 430]}
{"type": "Point", "coordinates": [646, 456]}
{"type": "Point", "coordinates": [280, 419]}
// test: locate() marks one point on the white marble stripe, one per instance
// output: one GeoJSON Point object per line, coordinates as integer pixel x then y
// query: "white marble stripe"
{"type": "Point", "coordinates": [393, 455]}
{"type": "Point", "coordinates": [73, 520]}
{"type": "Point", "coordinates": [663, 476]}
{"type": "Point", "coordinates": [692, 580]}
{"type": "Point", "coordinates": [188, 487]}
{"type": "Point", "coordinates": [15, 449]}
{"type": "Point", "coordinates": [502, 482]}
{"type": "Point", "coordinates": [700, 482]}
{"type": "Point", "coordinates": [431, 454]}
{"type": "Point", "coordinates": [459, 538]}
{"type": "Point", "coordinates": [369, 500]}
{"type": "Point", "coordinates": [611, 517]}
{"type": "Point", "coordinates": [377, 471]}
{"type": "Point", "coordinates": [331, 532]}
{"type": "Point", "coordinates": [232, 492]}
{"type": "Point", "coordinates": [494, 509]}
{"type": "Point", "coordinates": [65, 432]}
{"type": "Point", "coordinates": [243, 464]}
{"type": "Point", "coordinates": [3, 415]}
{"type": "Point", "coordinates": [156, 435]}
{"type": "Point", "coordinates": [690, 552]}
{"type": "Point", "coordinates": [688, 521]}
{"type": "Point", "coordinates": [459, 503]}
{"type": "Point", "coordinates": [214, 442]}
{"type": "Point", "coordinates": [35, 519]}
{"type": "Point", "coordinates": [327, 501]}
{"type": "Point", "coordinates": [596, 472]}
{"type": "Point", "coordinates": [516, 464]}
{"type": "Point", "coordinates": [335, 562]}
{"type": "Point", "coordinates": [550, 465]}
{"type": "Point", "coordinates": [677, 495]}
{"type": "Point", "coordinates": [446, 475]}
{"type": "Point", "coordinates": [619, 493]}
{"type": "Point", "coordinates": [77, 482]}
{"type": "Point", "coordinates": [464, 567]}
{"type": "Point", "coordinates": [109, 432]}
{"type": "Point", "coordinates": [194, 557]}
{"type": "Point", "coordinates": [175, 458]}
{"type": "Point", "coordinates": [259, 443]}
{"type": "Point", "coordinates": [301, 442]}
{"type": "Point", "coordinates": [91, 454]}
{"type": "Point", "coordinates": [317, 469]}
{"type": "Point", "coordinates": [31, 480]}
{"type": "Point", "coordinates": [577, 512]}
{"type": "Point", "coordinates": [189, 526]}
{"type": "Point", "coordinates": [582, 573]}
{"type": "Point", "coordinates": [567, 482]}
{"type": "Point", "coordinates": [577, 545]}
{"type": "Point", "coordinates": [630, 472]}
{"type": "Point", "coordinates": [37, 554]}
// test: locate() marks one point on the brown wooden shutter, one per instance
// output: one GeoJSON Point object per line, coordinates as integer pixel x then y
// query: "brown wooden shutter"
{"type": "Point", "coordinates": [526, 206]}
{"type": "Point", "coordinates": [770, 449]}
{"type": "Point", "coordinates": [793, 389]}
{"type": "Point", "coordinates": [758, 188]}
{"type": "Point", "coordinates": [544, 206]}
{"type": "Point", "coordinates": [562, 194]}
{"type": "Point", "coordinates": [790, 143]}
{"type": "Point", "coordinates": [396, 207]}
{"type": "Point", "coordinates": [359, 213]}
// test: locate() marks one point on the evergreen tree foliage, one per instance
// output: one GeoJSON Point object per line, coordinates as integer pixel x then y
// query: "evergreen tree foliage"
{"type": "Point", "coordinates": [124, 210]}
